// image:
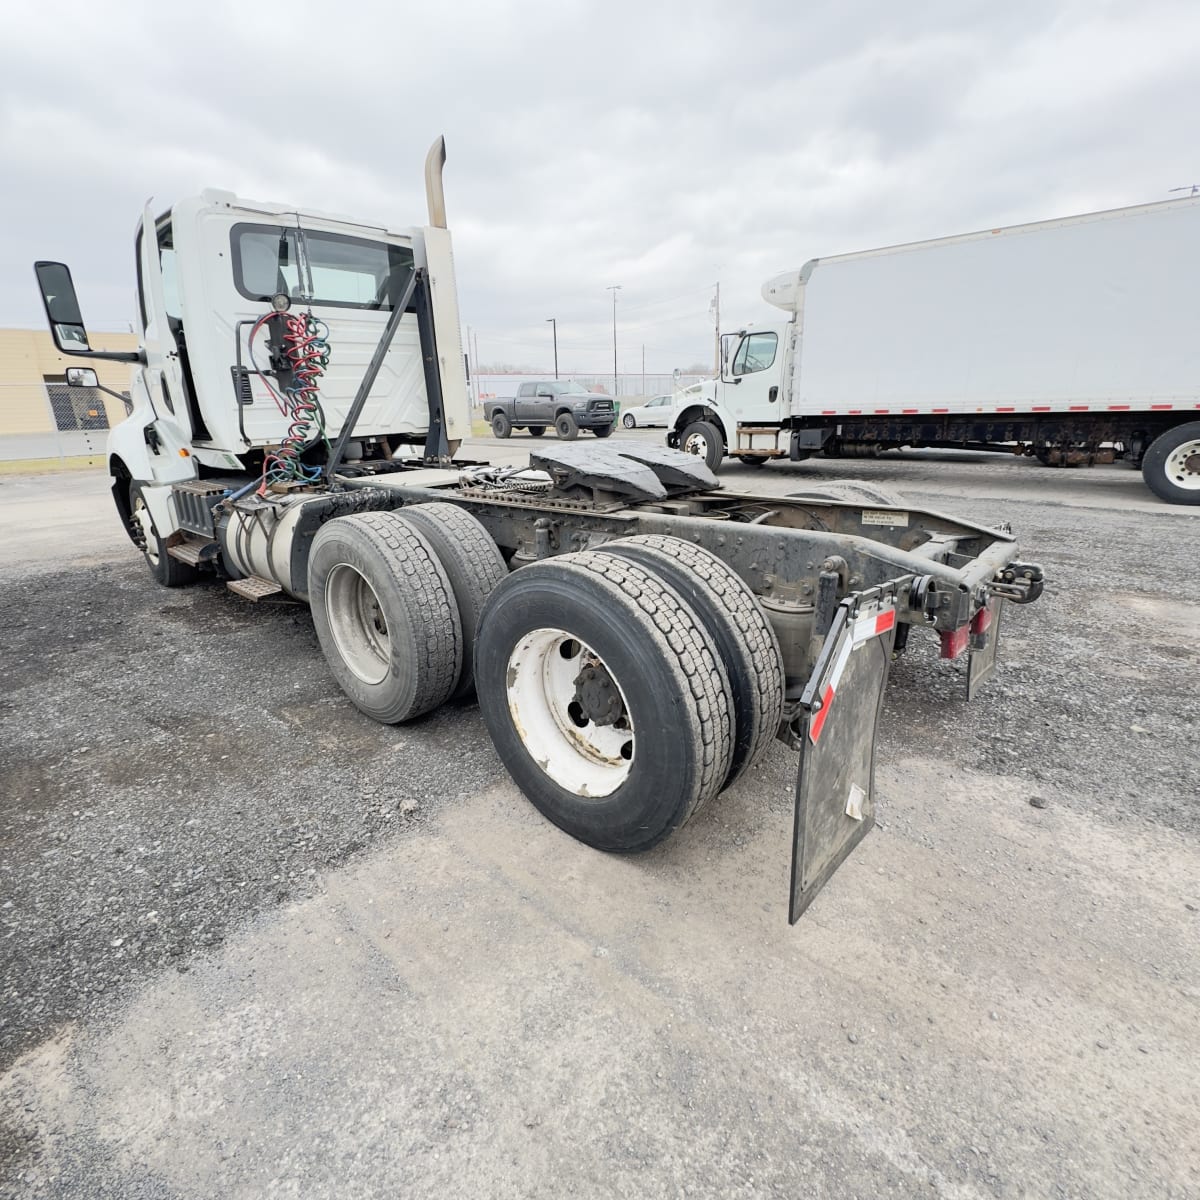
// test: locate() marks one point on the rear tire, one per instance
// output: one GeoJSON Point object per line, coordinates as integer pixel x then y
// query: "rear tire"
{"type": "Point", "coordinates": [501, 425]}
{"type": "Point", "coordinates": [851, 491]}
{"type": "Point", "coordinates": [703, 439]}
{"type": "Point", "coordinates": [385, 615]}
{"type": "Point", "coordinates": [618, 765]}
{"type": "Point", "coordinates": [739, 628]}
{"type": "Point", "coordinates": [1171, 464]}
{"type": "Point", "coordinates": [473, 564]}
{"type": "Point", "coordinates": [168, 571]}
{"type": "Point", "coordinates": [565, 427]}
{"type": "Point", "coordinates": [602, 431]}
{"type": "Point", "coordinates": [536, 430]}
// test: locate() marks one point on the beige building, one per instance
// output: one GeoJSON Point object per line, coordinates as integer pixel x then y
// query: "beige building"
{"type": "Point", "coordinates": [40, 417]}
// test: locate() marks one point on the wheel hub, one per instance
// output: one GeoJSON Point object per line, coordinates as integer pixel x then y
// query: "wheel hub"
{"type": "Point", "coordinates": [598, 696]}
{"type": "Point", "coordinates": [570, 712]}
{"type": "Point", "coordinates": [1183, 466]}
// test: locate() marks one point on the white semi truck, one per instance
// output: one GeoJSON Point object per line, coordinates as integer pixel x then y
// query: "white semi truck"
{"type": "Point", "coordinates": [1073, 340]}
{"type": "Point", "coordinates": [635, 635]}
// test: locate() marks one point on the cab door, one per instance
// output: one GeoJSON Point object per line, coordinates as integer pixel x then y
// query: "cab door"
{"type": "Point", "coordinates": [753, 384]}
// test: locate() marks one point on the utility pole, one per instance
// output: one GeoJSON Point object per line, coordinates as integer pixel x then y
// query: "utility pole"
{"type": "Point", "coordinates": [716, 305]}
{"type": "Point", "coordinates": [614, 288]}
{"type": "Point", "coordinates": [554, 329]}
{"type": "Point", "coordinates": [643, 368]}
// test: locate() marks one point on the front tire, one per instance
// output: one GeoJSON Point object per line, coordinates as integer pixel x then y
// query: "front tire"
{"type": "Point", "coordinates": [168, 571]}
{"type": "Point", "coordinates": [629, 421]}
{"type": "Point", "coordinates": [501, 425]}
{"type": "Point", "coordinates": [703, 439]}
{"type": "Point", "coordinates": [1171, 465]}
{"type": "Point", "coordinates": [385, 615]}
{"type": "Point", "coordinates": [566, 427]}
{"type": "Point", "coordinates": [603, 698]}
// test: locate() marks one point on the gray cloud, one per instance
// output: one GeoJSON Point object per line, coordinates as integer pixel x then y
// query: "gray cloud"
{"type": "Point", "coordinates": [656, 146]}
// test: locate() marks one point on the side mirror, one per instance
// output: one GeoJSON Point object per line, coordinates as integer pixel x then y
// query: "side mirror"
{"type": "Point", "coordinates": [62, 308]}
{"type": "Point", "coordinates": [82, 377]}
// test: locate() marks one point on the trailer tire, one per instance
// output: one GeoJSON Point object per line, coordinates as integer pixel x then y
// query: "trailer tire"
{"type": "Point", "coordinates": [566, 427]}
{"type": "Point", "coordinates": [473, 564]}
{"type": "Point", "coordinates": [501, 425]}
{"type": "Point", "coordinates": [1171, 464]}
{"type": "Point", "coordinates": [536, 430]}
{"type": "Point", "coordinates": [852, 491]}
{"type": "Point", "coordinates": [704, 439]}
{"type": "Point", "coordinates": [168, 571]}
{"type": "Point", "coordinates": [739, 629]}
{"type": "Point", "coordinates": [620, 766]}
{"type": "Point", "coordinates": [385, 615]}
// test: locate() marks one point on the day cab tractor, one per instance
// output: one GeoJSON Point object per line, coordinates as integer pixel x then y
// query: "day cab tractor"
{"type": "Point", "coordinates": [635, 635]}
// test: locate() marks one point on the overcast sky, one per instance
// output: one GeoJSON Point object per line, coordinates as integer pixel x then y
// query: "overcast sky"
{"type": "Point", "coordinates": [658, 146]}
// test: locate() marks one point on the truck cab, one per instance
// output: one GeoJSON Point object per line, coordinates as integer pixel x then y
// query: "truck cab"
{"type": "Point", "coordinates": [740, 413]}
{"type": "Point", "coordinates": [228, 291]}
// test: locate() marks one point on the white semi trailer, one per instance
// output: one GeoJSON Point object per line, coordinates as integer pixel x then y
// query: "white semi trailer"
{"type": "Point", "coordinates": [1073, 340]}
{"type": "Point", "coordinates": [635, 635]}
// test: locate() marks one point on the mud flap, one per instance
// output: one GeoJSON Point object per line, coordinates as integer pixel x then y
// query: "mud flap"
{"type": "Point", "coordinates": [985, 642]}
{"type": "Point", "coordinates": [835, 783]}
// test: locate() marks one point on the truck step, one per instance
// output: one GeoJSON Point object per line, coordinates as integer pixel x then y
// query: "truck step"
{"type": "Point", "coordinates": [191, 553]}
{"type": "Point", "coordinates": [253, 587]}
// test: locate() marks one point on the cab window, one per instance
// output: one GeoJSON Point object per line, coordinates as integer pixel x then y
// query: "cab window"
{"type": "Point", "coordinates": [320, 268]}
{"type": "Point", "coordinates": [756, 353]}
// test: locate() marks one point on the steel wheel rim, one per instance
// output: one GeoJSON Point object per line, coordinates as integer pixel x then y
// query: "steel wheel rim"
{"type": "Point", "coordinates": [588, 759]}
{"type": "Point", "coordinates": [1183, 466]}
{"type": "Point", "coordinates": [696, 443]}
{"type": "Point", "coordinates": [358, 625]}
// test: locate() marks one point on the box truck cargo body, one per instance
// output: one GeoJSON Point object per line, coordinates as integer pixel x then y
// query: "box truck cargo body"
{"type": "Point", "coordinates": [1072, 340]}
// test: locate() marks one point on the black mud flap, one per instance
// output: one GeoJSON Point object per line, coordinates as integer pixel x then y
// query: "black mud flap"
{"type": "Point", "coordinates": [985, 642]}
{"type": "Point", "coordinates": [835, 783]}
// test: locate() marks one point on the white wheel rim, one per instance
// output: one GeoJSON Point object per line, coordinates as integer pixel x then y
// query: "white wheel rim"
{"type": "Point", "coordinates": [1183, 466]}
{"type": "Point", "coordinates": [357, 623]}
{"type": "Point", "coordinates": [141, 514]}
{"type": "Point", "coordinates": [696, 443]}
{"type": "Point", "coordinates": [589, 759]}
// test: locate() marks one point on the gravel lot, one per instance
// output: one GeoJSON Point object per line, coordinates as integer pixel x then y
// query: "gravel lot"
{"type": "Point", "coordinates": [254, 944]}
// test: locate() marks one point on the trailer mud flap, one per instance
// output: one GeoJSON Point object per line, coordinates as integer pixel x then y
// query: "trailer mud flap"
{"type": "Point", "coordinates": [985, 642]}
{"type": "Point", "coordinates": [835, 783]}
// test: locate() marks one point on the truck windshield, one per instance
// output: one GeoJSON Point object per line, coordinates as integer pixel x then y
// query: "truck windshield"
{"type": "Point", "coordinates": [321, 268]}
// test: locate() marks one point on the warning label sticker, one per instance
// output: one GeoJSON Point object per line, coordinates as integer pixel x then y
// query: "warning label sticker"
{"type": "Point", "coordinates": [876, 516]}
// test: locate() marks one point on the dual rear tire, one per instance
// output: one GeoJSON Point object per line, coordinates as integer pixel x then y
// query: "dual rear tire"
{"type": "Point", "coordinates": [396, 599]}
{"type": "Point", "coordinates": [622, 687]}
{"type": "Point", "coordinates": [625, 687]}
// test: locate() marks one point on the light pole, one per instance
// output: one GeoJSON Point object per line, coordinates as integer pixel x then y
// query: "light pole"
{"type": "Point", "coordinates": [554, 329]}
{"type": "Point", "coordinates": [614, 288]}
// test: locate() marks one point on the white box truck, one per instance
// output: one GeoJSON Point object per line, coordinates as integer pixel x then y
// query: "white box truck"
{"type": "Point", "coordinates": [1072, 340]}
